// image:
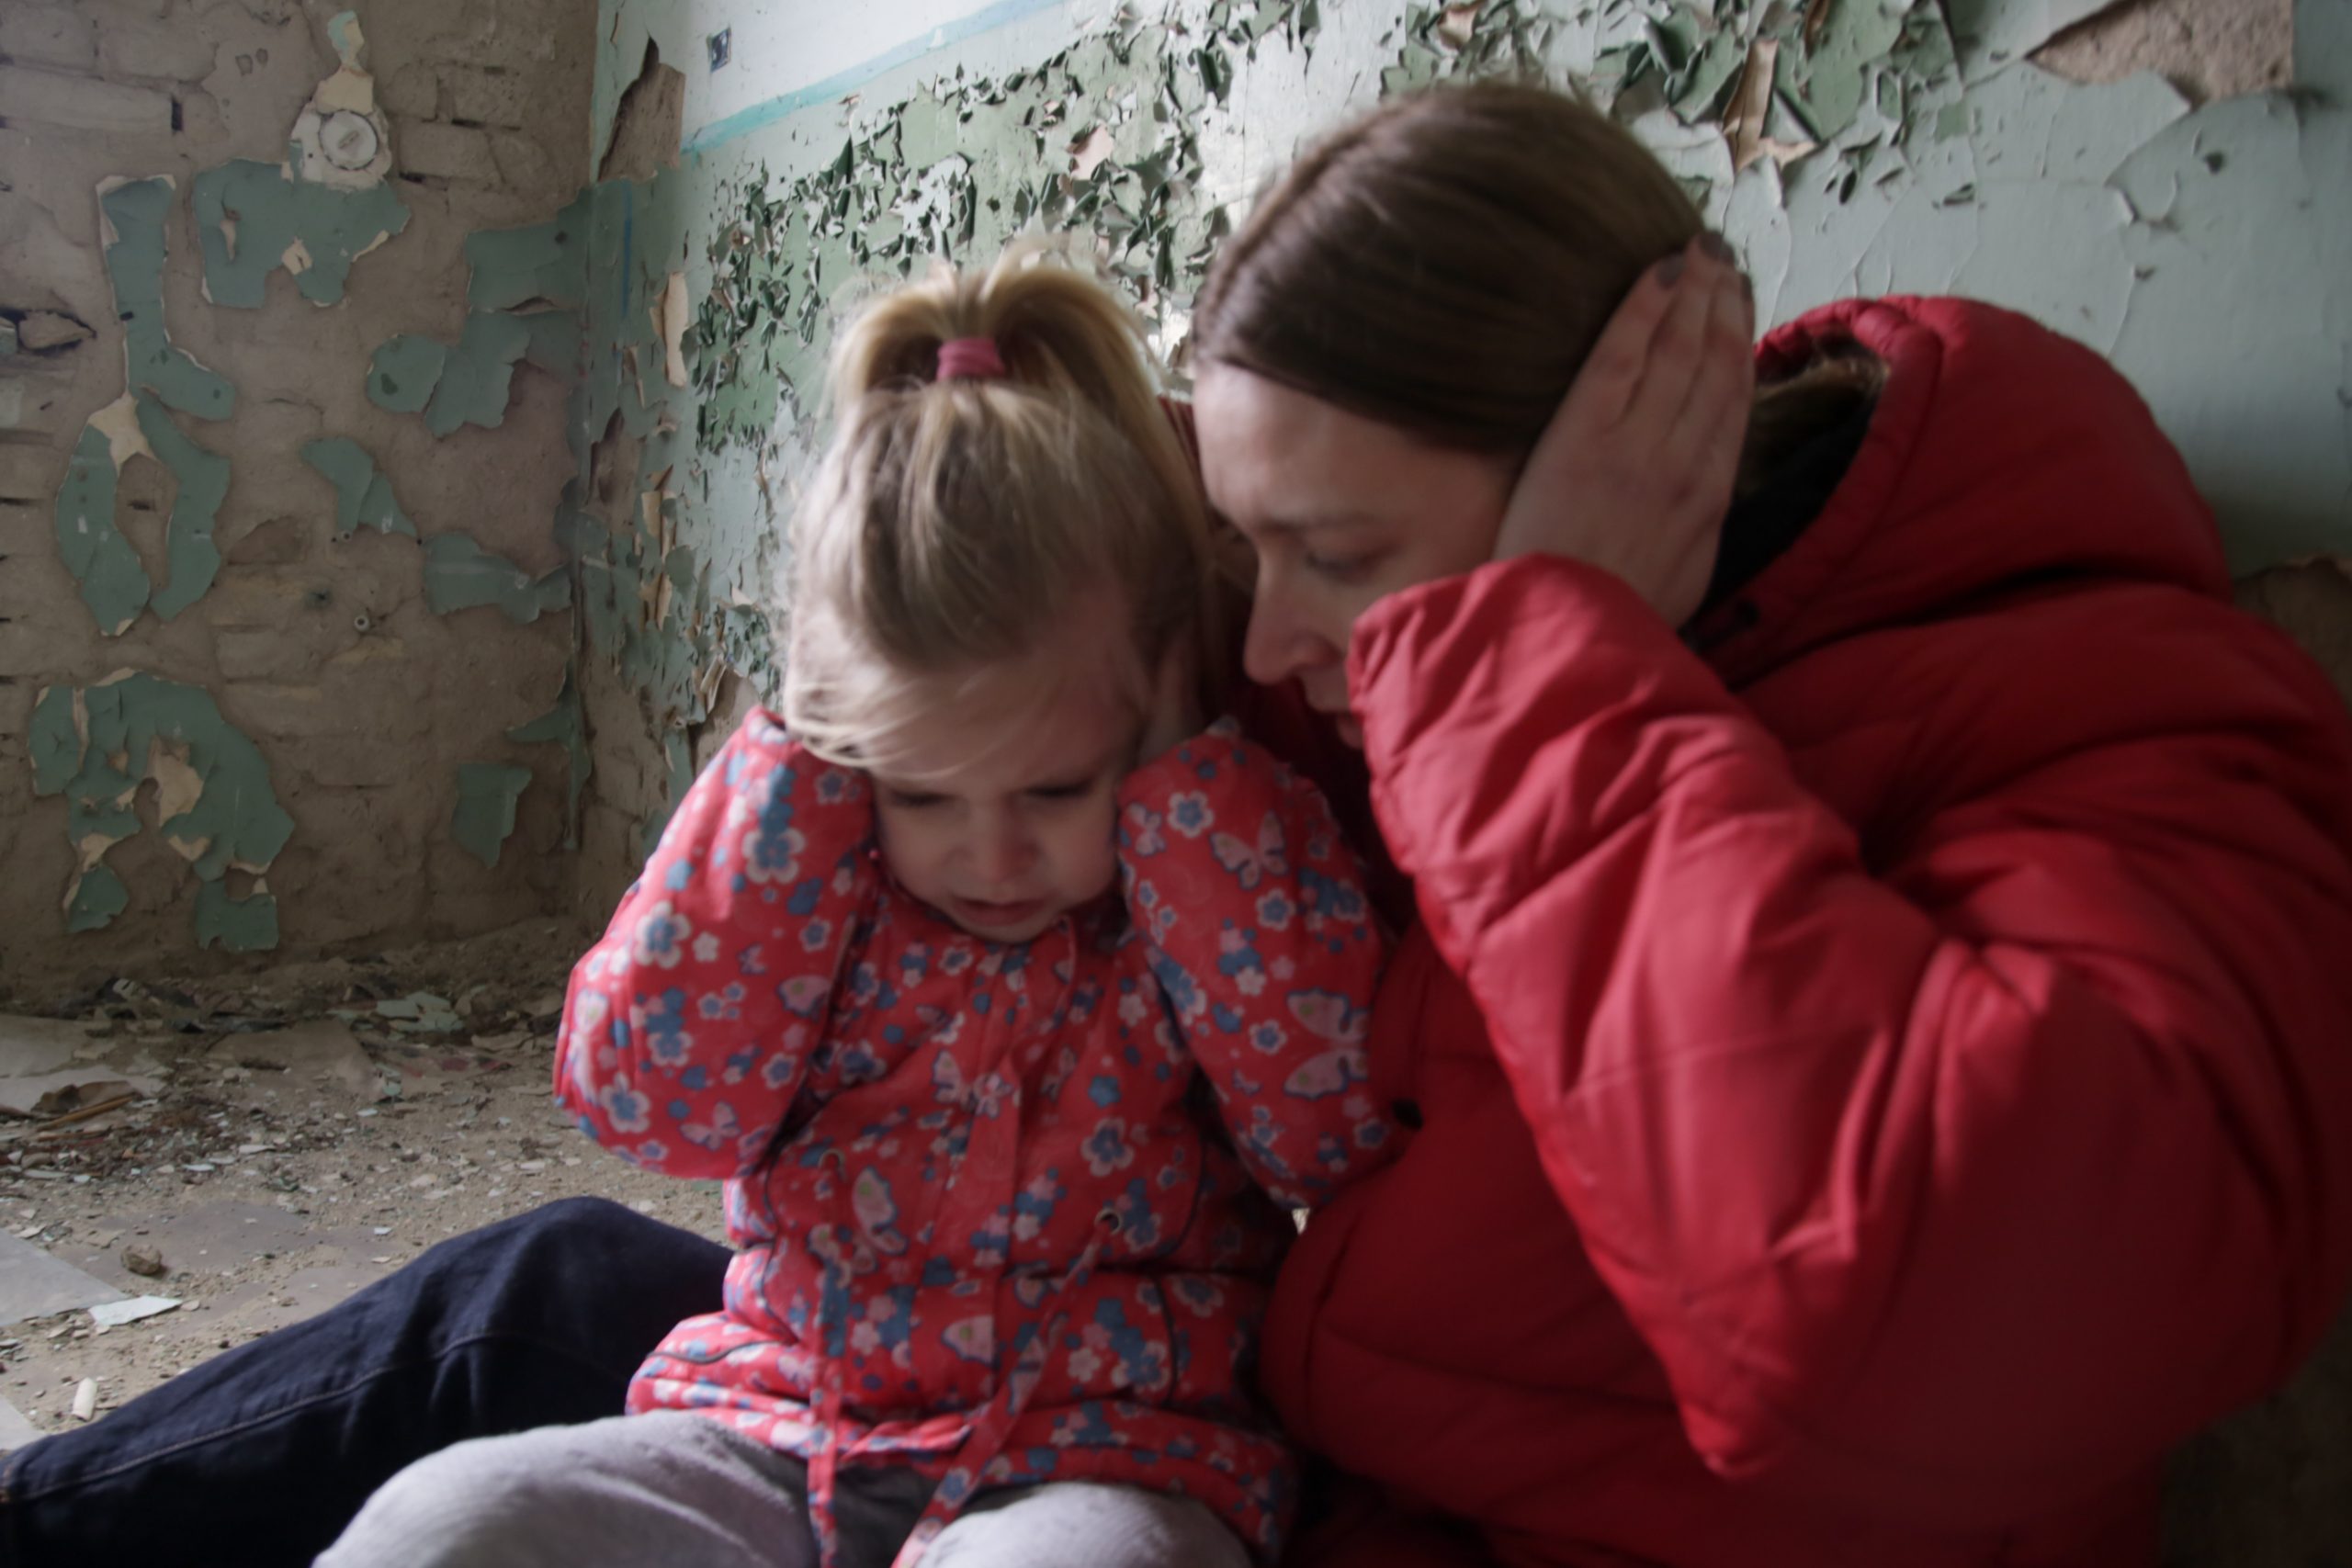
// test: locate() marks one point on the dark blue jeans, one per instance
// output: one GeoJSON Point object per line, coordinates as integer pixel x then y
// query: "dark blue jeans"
{"type": "Point", "coordinates": [258, 1457]}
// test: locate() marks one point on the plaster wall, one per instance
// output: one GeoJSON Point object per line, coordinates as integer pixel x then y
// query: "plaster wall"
{"type": "Point", "coordinates": [312, 707]}
{"type": "Point", "coordinates": [2179, 207]}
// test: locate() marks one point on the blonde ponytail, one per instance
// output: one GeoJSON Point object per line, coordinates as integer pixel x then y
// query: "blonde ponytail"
{"type": "Point", "coordinates": [957, 525]}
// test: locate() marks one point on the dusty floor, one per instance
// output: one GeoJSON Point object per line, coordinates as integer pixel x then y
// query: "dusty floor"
{"type": "Point", "coordinates": [285, 1140]}
{"type": "Point", "coordinates": [279, 1143]}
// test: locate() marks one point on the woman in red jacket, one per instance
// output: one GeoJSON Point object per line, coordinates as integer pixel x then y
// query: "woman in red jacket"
{"type": "Point", "coordinates": [1874, 1018]}
{"type": "Point", "coordinates": [1877, 1016]}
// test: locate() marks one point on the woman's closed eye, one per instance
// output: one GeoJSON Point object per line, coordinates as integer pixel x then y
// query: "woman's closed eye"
{"type": "Point", "coordinates": [1341, 569]}
{"type": "Point", "coordinates": [1077, 790]}
{"type": "Point", "coordinates": [912, 799]}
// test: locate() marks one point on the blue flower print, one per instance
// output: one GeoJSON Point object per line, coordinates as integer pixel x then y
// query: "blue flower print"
{"type": "Point", "coordinates": [1088, 1426]}
{"type": "Point", "coordinates": [1200, 1293]}
{"type": "Point", "coordinates": [627, 1111]}
{"type": "Point", "coordinates": [1330, 899]}
{"type": "Point", "coordinates": [1138, 1219]}
{"type": "Point", "coordinates": [783, 1065]}
{"type": "Point", "coordinates": [1183, 993]}
{"type": "Point", "coordinates": [1107, 1149]}
{"type": "Point", "coordinates": [660, 940]}
{"type": "Point", "coordinates": [1137, 1361]}
{"type": "Point", "coordinates": [664, 1023]}
{"type": "Point", "coordinates": [721, 1005]}
{"type": "Point", "coordinates": [1139, 831]}
{"type": "Point", "coordinates": [857, 1063]}
{"type": "Point", "coordinates": [1189, 814]}
{"type": "Point", "coordinates": [771, 852]}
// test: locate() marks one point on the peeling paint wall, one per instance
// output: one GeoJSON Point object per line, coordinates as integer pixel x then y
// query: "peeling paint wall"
{"type": "Point", "coordinates": [2179, 207]}
{"type": "Point", "coordinates": [354, 400]}
{"type": "Point", "coordinates": [247, 642]}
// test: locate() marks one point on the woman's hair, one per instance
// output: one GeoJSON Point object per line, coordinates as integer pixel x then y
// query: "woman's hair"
{"type": "Point", "coordinates": [1446, 263]}
{"type": "Point", "coordinates": [957, 525]}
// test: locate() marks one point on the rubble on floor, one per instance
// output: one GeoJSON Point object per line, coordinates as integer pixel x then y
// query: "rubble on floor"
{"type": "Point", "coordinates": [187, 1166]}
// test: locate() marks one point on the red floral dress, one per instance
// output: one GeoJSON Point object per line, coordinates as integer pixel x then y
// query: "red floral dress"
{"type": "Point", "coordinates": [1005, 1213]}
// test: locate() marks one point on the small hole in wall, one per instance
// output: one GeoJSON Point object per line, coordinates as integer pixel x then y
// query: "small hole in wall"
{"type": "Point", "coordinates": [318, 599]}
{"type": "Point", "coordinates": [362, 624]}
{"type": "Point", "coordinates": [178, 121]}
{"type": "Point", "coordinates": [2215, 162]}
{"type": "Point", "coordinates": [722, 47]}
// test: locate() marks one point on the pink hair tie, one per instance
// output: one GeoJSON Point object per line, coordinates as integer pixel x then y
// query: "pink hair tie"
{"type": "Point", "coordinates": [970, 359]}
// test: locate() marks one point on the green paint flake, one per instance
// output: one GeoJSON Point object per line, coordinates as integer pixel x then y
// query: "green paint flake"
{"type": "Point", "coordinates": [97, 898]}
{"type": "Point", "coordinates": [484, 820]}
{"type": "Point", "coordinates": [466, 383]}
{"type": "Point", "coordinates": [564, 725]}
{"type": "Point", "coordinates": [1698, 89]}
{"type": "Point", "coordinates": [55, 744]}
{"type": "Point", "coordinates": [363, 492]}
{"type": "Point", "coordinates": [404, 372]}
{"type": "Point", "coordinates": [191, 560]}
{"type": "Point", "coordinates": [135, 212]}
{"type": "Point", "coordinates": [480, 374]}
{"type": "Point", "coordinates": [250, 215]}
{"type": "Point", "coordinates": [114, 583]}
{"type": "Point", "coordinates": [97, 745]}
{"type": "Point", "coordinates": [461, 575]}
{"type": "Point", "coordinates": [546, 263]}
{"type": "Point", "coordinates": [555, 342]}
{"type": "Point", "coordinates": [1832, 80]}
{"type": "Point", "coordinates": [239, 925]}
{"type": "Point", "coordinates": [927, 131]}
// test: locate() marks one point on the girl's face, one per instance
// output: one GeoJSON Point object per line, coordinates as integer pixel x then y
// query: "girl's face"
{"type": "Point", "coordinates": [1343, 511]}
{"type": "Point", "coordinates": [1002, 816]}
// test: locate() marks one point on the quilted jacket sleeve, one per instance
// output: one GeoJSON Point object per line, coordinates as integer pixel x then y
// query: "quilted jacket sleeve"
{"type": "Point", "coordinates": [688, 1028]}
{"type": "Point", "coordinates": [1946, 1181]}
{"type": "Point", "coordinates": [1258, 929]}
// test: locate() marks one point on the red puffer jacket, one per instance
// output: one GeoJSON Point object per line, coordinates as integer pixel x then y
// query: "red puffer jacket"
{"type": "Point", "coordinates": [1882, 1083]}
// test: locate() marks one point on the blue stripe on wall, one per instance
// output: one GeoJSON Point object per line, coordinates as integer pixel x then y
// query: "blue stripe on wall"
{"type": "Point", "coordinates": [743, 122]}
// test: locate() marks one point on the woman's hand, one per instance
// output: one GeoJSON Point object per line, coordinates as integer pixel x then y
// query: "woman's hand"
{"type": "Point", "coordinates": [1634, 475]}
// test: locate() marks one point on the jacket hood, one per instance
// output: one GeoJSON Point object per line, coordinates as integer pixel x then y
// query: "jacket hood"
{"type": "Point", "coordinates": [2000, 454]}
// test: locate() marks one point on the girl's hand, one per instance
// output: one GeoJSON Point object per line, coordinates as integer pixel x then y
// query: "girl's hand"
{"type": "Point", "coordinates": [1634, 475]}
{"type": "Point", "coordinates": [1175, 713]}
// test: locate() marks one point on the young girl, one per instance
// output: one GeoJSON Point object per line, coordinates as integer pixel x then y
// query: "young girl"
{"type": "Point", "coordinates": [1013, 1023]}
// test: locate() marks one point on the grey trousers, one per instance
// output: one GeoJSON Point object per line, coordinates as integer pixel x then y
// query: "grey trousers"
{"type": "Point", "coordinates": [668, 1488]}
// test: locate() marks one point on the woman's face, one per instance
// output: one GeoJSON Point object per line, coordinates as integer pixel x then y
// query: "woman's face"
{"type": "Point", "coordinates": [1343, 510]}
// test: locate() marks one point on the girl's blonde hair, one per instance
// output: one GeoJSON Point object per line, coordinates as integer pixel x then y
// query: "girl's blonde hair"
{"type": "Point", "coordinates": [956, 524]}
